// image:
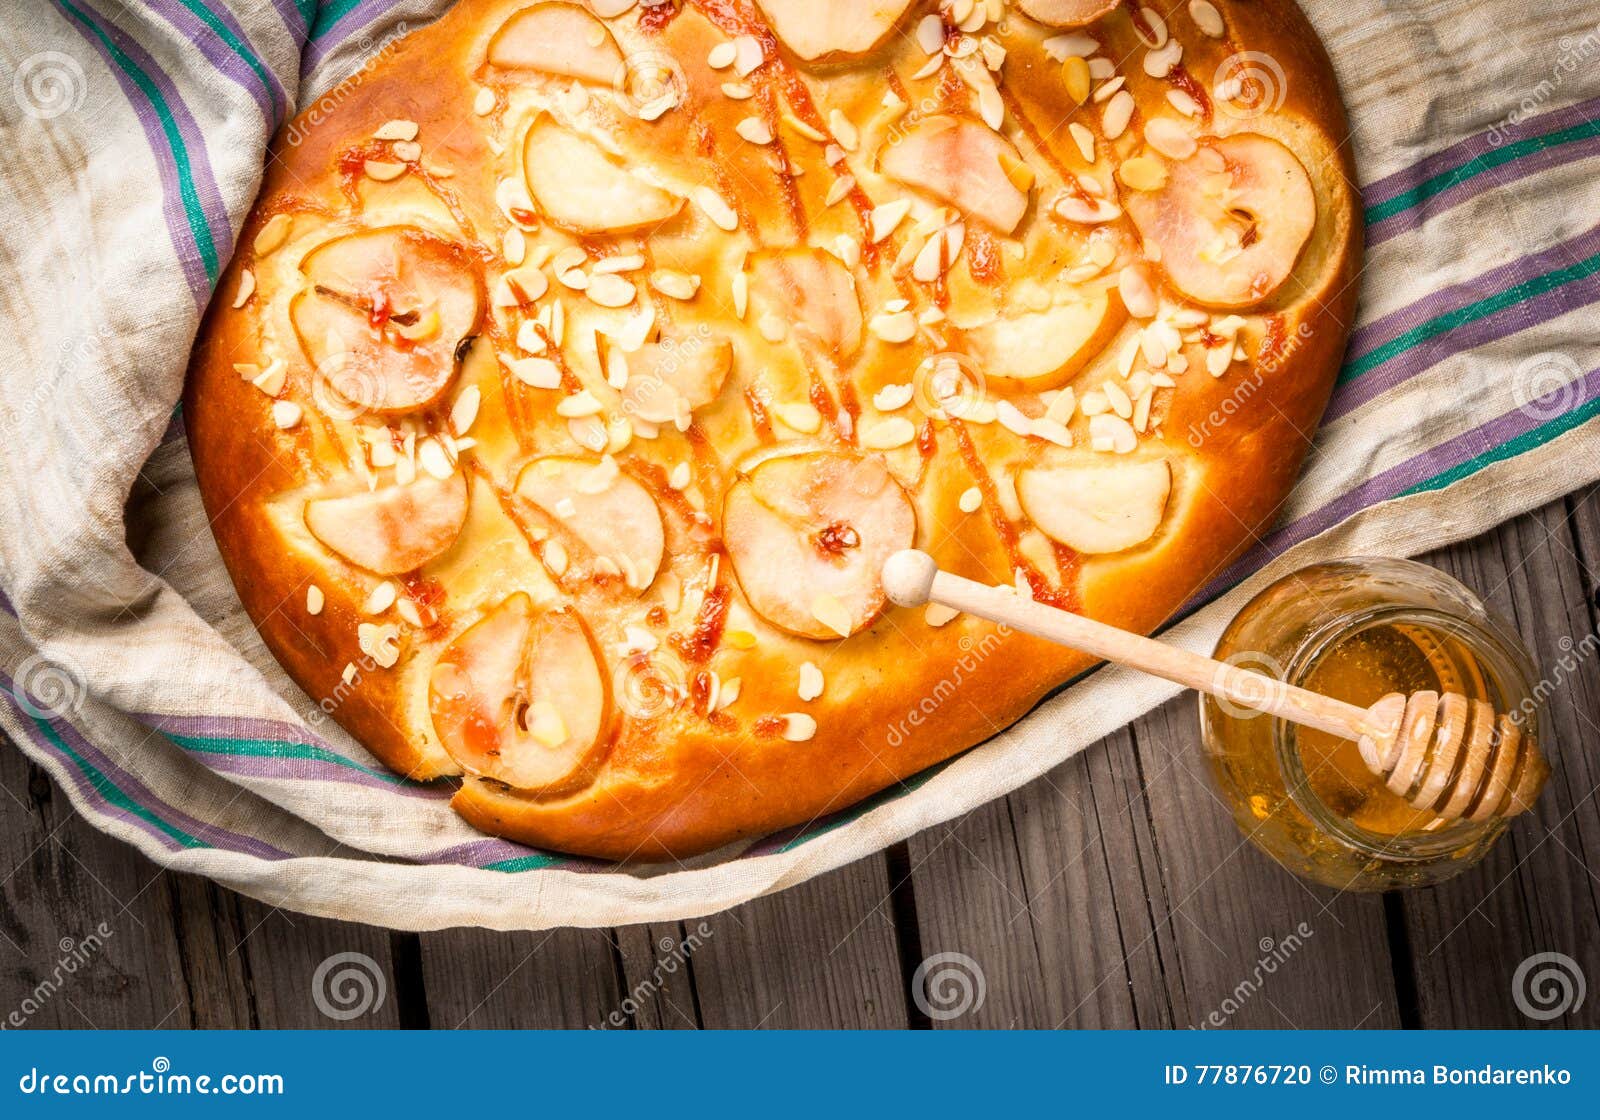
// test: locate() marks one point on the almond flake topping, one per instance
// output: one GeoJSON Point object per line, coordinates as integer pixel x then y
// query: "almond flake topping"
{"type": "Point", "coordinates": [273, 234]}
{"type": "Point", "coordinates": [381, 643]}
{"type": "Point", "coordinates": [811, 682]}
{"type": "Point", "coordinates": [314, 599]}
{"type": "Point", "coordinates": [396, 130]}
{"type": "Point", "coordinates": [896, 431]}
{"type": "Point", "coordinates": [381, 599]}
{"type": "Point", "coordinates": [748, 55]}
{"type": "Point", "coordinates": [891, 397]}
{"type": "Point", "coordinates": [1118, 112]}
{"type": "Point", "coordinates": [1207, 18]}
{"type": "Point", "coordinates": [799, 417]}
{"type": "Point", "coordinates": [722, 56]}
{"type": "Point", "coordinates": [798, 727]}
{"type": "Point", "coordinates": [465, 409]}
{"type": "Point", "coordinates": [938, 615]}
{"type": "Point", "coordinates": [971, 498]}
{"type": "Point", "coordinates": [247, 287]}
{"type": "Point", "coordinates": [286, 414]}
{"type": "Point", "coordinates": [755, 130]}
{"type": "Point", "coordinates": [716, 208]}
{"type": "Point", "coordinates": [832, 614]}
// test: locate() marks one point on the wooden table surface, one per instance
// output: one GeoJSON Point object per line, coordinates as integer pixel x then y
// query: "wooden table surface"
{"type": "Point", "coordinates": [1113, 892]}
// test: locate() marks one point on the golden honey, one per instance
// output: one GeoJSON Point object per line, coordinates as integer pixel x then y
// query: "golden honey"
{"type": "Point", "coordinates": [1357, 630]}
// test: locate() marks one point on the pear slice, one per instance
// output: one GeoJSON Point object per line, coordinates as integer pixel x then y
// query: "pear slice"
{"type": "Point", "coordinates": [1230, 220]}
{"type": "Point", "coordinates": [667, 381]}
{"type": "Point", "coordinates": [609, 512]}
{"type": "Point", "coordinates": [384, 314]}
{"type": "Point", "coordinates": [393, 530]}
{"type": "Point", "coordinates": [962, 162]}
{"type": "Point", "coordinates": [1067, 13]}
{"type": "Point", "coordinates": [807, 536]}
{"type": "Point", "coordinates": [1039, 350]}
{"type": "Point", "coordinates": [1096, 508]}
{"type": "Point", "coordinates": [814, 29]}
{"type": "Point", "coordinates": [559, 39]}
{"type": "Point", "coordinates": [520, 697]}
{"type": "Point", "coordinates": [581, 187]}
{"type": "Point", "coordinates": [812, 291]}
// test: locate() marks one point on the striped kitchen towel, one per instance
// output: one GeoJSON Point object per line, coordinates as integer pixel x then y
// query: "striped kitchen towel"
{"type": "Point", "coordinates": [131, 143]}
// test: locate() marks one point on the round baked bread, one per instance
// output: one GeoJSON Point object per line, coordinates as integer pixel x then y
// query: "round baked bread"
{"type": "Point", "coordinates": [582, 363]}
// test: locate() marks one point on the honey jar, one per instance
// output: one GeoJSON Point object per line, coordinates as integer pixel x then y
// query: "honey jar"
{"type": "Point", "coordinates": [1357, 629]}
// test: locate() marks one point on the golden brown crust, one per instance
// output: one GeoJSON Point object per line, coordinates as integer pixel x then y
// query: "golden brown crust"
{"type": "Point", "coordinates": [900, 695]}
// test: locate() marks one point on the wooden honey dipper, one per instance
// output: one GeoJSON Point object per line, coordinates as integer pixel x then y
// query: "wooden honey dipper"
{"type": "Point", "coordinates": [1444, 754]}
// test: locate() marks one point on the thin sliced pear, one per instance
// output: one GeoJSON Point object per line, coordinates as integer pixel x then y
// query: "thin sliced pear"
{"type": "Point", "coordinates": [1095, 508]}
{"type": "Point", "coordinates": [1067, 13]}
{"type": "Point", "coordinates": [581, 187]}
{"type": "Point", "coordinates": [814, 292]}
{"type": "Point", "coordinates": [814, 29]}
{"type": "Point", "coordinates": [520, 697]}
{"type": "Point", "coordinates": [393, 530]}
{"type": "Point", "coordinates": [667, 381]}
{"type": "Point", "coordinates": [807, 536]}
{"type": "Point", "coordinates": [962, 162]}
{"type": "Point", "coordinates": [559, 39]}
{"type": "Point", "coordinates": [1230, 220]}
{"type": "Point", "coordinates": [609, 512]}
{"type": "Point", "coordinates": [384, 314]}
{"type": "Point", "coordinates": [1039, 350]}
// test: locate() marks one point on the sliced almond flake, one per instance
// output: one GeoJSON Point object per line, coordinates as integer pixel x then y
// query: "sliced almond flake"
{"type": "Point", "coordinates": [1121, 404]}
{"type": "Point", "coordinates": [381, 643]}
{"type": "Point", "coordinates": [676, 285]}
{"type": "Point", "coordinates": [722, 56]}
{"type": "Point", "coordinates": [811, 682]}
{"type": "Point", "coordinates": [883, 219]}
{"type": "Point", "coordinates": [383, 170]}
{"type": "Point", "coordinates": [314, 599]}
{"type": "Point", "coordinates": [884, 435]}
{"type": "Point", "coordinates": [381, 598]}
{"type": "Point", "coordinates": [529, 338]}
{"type": "Point", "coordinates": [609, 290]}
{"type": "Point", "coordinates": [465, 409]}
{"type": "Point", "coordinates": [971, 498]}
{"type": "Point", "coordinates": [1084, 139]}
{"type": "Point", "coordinates": [1159, 63]}
{"type": "Point", "coordinates": [514, 246]}
{"type": "Point", "coordinates": [728, 694]}
{"type": "Point", "coordinates": [1094, 403]}
{"type": "Point", "coordinates": [408, 611]}
{"type": "Point", "coordinates": [272, 379]}
{"type": "Point", "coordinates": [1077, 45]}
{"type": "Point", "coordinates": [1012, 418]}
{"type": "Point", "coordinates": [1218, 360]}
{"type": "Point", "coordinates": [1047, 429]}
{"type": "Point", "coordinates": [1107, 90]}
{"type": "Point", "coordinates": [432, 458]}
{"type": "Point", "coordinates": [808, 131]}
{"type": "Point", "coordinates": [1162, 381]}
{"type": "Point", "coordinates": [483, 103]}
{"type": "Point", "coordinates": [929, 68]}
{"type": "Point", "coordinates": [740, 290]}
{"type": "Point", "coordinates": [838, 192]}
{"type": "Point", "coordinates": [1169, 138]}
{"type": "Point", "coordinates": [1108, 432]}
{"type": "Point", "coordinates": [897, 326]}
{"type": "Point", "coordinates": [1158, 28]}
{"type": "Point", "coordinates": [798, 727]}
{"type": "Point", "coordinates": [247, 287]}
{"type": "Point", "coordinates": [1207, 18]}
{"type": "Point", "coordinates": [273, 234]}
{"type": "Point", "coordinates": [832, 614]}
{"type": "Point", "coordinates": [286, 414]}
{"type": "Point", "coordinates": [349, 673]}
{"type": "Point", "coordinates": [539, 373]}
{"type": "Point", "coordinates": [1118, 112]}
{"type": "Point", "coordinates": [555, 558]}
{"type": "Point", "coordinates": [1143, 173]}
{"type": "Point", "coordinates": [589, 432]}
{"type": "Point", "coordinates": [930, 34]}
{"type": "Point", "coordinates": [1074, 209]}
{"type": "Point", "coordinates": [1062, 406]}
{"type": "Point", "coordinates": [738, 91]}
{"type": "Point", "coordinates": [1183, 103]}
{"type": "Point", "coordinates": [407, 151]}
{"type": "Point", "coordinates": [843, 131]}
{"type": "Point", "coordinates": [680, 477]}
{"type": "Point", "coordinates": [396, 130]}
{"type": "Point", "coordinates": [581, 403]}
{"type": "Point", "coordinates": [1133, 284]}
{"type": "Point", "coordinates": [1005, 491]}
{"type": "Point", "coordinates": [1101, 69]}
{"type": "Point", "coordinates": [799, 417]}
{"type": "Point", "coordinates": [755, 130]}
{"type": "Point", "coordinates": [1141, 411]}
{"type": "Point", "coordinates": [716, 208]}
{"type": "Point", "coordinates": [748, 55]}
{"type": "Point", "coordinates": [937, 615]}
{"type": "Point", "coordinates": [891, 397]}
{"type": "Point", "coordinates": [619, 433]}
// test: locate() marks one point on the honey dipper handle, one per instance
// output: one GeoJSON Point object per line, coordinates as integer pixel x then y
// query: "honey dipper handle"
{"type": "Point", "coordinates": [911, 578]}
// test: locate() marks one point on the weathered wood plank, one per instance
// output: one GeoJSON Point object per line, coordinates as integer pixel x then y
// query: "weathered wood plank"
{"type": "Point", "coordinates": [1035, 890]}
{"type": "Point", "coordinates": [86, 936]}
{"type": "Point", "coordinates": [477, 979]}
{"type": "Point", "coordinates": [658, 971]}
{"type": "Point", "coordinates": [1536, 892]}
{"type": "Point", "coordinates": [823, 954]}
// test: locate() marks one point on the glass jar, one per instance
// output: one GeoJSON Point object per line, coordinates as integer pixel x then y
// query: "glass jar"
{"type": "Point", "coordinates": [1357, 629]}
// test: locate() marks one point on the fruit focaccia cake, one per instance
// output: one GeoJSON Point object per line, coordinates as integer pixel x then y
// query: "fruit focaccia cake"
{"type": "Point", "coordinates": [582, 363]}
